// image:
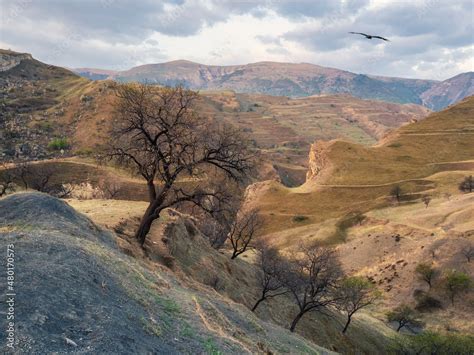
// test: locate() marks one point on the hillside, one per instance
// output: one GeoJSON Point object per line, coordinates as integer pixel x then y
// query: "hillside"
{"type": "Point", "coordinates": [346, 177]}
{"type": "Point", "coordinates": [294, 80]}
{"type": "Point", "coordinates": [34, 105]}
{"type": "Point", "coordinates": [107, 302]}
{"type": "Point", "coordinates": [449, 91]}
{"type": "Point", "coordinates": [51, 112]}
{"type": "Point", "coordinates": [347, 201]}
{"type": "Point", "coordinates": [109, 292]}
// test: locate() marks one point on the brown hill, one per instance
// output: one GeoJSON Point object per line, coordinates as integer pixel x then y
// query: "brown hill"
{"type": "Point", "coordinates": [50, 104]}
{"type": "Point", "coordinates": [352, 177]}
{"type": "Point", "coordinates": [347, 201]}
{"type": "Point", "coordinates": [449, 91]}
{"type": "Point", "coordinates": [273, 78]}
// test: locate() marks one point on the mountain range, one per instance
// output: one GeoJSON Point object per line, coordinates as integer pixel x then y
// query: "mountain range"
{"type": "Point", "coordinates": [294, 80]}
{"type": "Point", "coordinates": [382, 184]}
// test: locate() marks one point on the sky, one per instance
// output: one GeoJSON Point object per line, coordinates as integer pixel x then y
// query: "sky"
{"type": "Point", "coordinates": [429, 39]}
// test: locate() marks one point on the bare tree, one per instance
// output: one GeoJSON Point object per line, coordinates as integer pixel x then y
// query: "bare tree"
{"type": "Point", "coordinates": [159, 136]}
{"type": "Point", "coordinates": [353, 294]}
{"type": "Point", "coordinates": [110, 189]}
{"type": "Point", "coordinates": [213, 228]}
{"type": "Point", "coordinates": [468, 252]}
{"type": "Point", "coordinates": [41, 179]}
{"type": "Point", "coordinates": [270, 274]}
{"type": "Point", "coordinates": [404, 316]}
{"type": "Point", "coordinates": [7, 179]}
{"type": "Point", "coordinates": [243, 230]}
{"type": "Point", "coordinates": [311, 278]}
{"type": "Point", "coordinates": [217, 224]}
{"type": "Point", "coordinates": [426, 273]}
{"type": "Point", "coordinates": [23, 171]}
{"type": "Point", "coordinates": [467, 185]}
{"type": "Point", "coordinates": [62, 190]}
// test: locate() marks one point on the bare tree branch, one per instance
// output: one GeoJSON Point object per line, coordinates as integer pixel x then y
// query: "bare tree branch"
{"type": "Point", "coordinates": [158, 135]}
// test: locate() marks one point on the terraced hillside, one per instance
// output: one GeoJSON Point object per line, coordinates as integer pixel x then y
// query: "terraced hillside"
{"type": "Point", "coordinates": [51, 112]}
{"type": "Point", "coordinates": [346, 177]}
{"type": "Point", "coordinates": [284, 128]}
{"type": "Point", "coordinates": [348, 201]}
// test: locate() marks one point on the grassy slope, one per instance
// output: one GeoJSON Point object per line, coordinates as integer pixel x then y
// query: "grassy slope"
{"type": "Point", "coordinates": [188, 253]}
{"type": "Point", "coordinates": [360, 178]}
{"type": "Point", "coordinates": [435, 235]}
{"type": "Point", "coordinates": [107, 307]}
{"type": "Point", "coordinates": [426, 158]}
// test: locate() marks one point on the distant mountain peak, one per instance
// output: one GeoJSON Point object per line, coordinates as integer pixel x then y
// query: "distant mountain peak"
{"type": "Point", "coordinates": [294, 80]}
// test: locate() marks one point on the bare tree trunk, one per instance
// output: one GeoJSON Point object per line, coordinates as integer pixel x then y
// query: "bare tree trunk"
{"type": "Point", "coordinates": [145, 226]}
{"type": "Point", "coordinates": [347, 324]}
{"type": "Point", "coordinates": [150, 214]}
{"type": "Point", "coordinates": [151, 191]}
{"type": "Point", "coordinates": [296, 320]}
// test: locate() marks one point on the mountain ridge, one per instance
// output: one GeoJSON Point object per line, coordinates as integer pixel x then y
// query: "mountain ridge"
{"type": "Point", "coordinates": [293, 80]}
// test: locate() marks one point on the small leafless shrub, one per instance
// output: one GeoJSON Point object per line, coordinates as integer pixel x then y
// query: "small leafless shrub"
{"type": "Point", "coordinates": [270, 274]}
{"type": "Point", "coordinates": [110, 189]}
{"type": "Point", "coordinates": [468, 252]}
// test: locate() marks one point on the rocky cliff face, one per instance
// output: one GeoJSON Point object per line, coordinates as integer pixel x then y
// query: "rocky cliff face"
{"type": "Point", "coordinates": [318, 163]}
{"type": "Point", "coordinates": [9, 60]}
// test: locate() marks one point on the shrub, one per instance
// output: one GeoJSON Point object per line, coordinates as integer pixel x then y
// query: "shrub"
{"type": "Point", "coordinates": [467, 185]}
{"type": "Point", "coordinates": [456, 282]}
{"type": "Point", "coordinates": [428, 343]}
{"type": "Point", "coordinates": [427, 303]}
{"type": "Point", "coordinates": [299, 218]}
{"type": "Point", "coordinates": [58, 144]}
{"type": "Point", "coordinates": [85, 152]}
{"type": "Point", "coordinates": [396, 192]}
{"type": "Point", "coordinates": [426, 273]}
{"type": "Point", "coordinates": [404, 316]}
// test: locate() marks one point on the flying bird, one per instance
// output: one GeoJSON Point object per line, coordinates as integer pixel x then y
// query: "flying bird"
{"type": "Point", "coordinates": [370, 36]}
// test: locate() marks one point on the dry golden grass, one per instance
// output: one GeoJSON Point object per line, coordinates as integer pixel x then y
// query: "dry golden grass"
{"type": "Point", "coordinates": [425, 157]}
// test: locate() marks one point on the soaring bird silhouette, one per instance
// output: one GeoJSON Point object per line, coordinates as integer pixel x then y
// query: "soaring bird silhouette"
{"type": "Point", "coordinates": [370, 36]}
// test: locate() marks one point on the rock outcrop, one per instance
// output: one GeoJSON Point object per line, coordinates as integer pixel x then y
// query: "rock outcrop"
{"type": "Point", "coordinates": [318, 161]}
{"type": "Point", "coordinates": [9, 60]}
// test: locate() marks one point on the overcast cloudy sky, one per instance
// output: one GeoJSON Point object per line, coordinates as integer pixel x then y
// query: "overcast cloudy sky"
{"type": "Point", "coordinates": [429, 38]}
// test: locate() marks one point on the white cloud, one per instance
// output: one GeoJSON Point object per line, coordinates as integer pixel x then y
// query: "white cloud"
{"type": "Point", "coordinates": [430, 38]}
